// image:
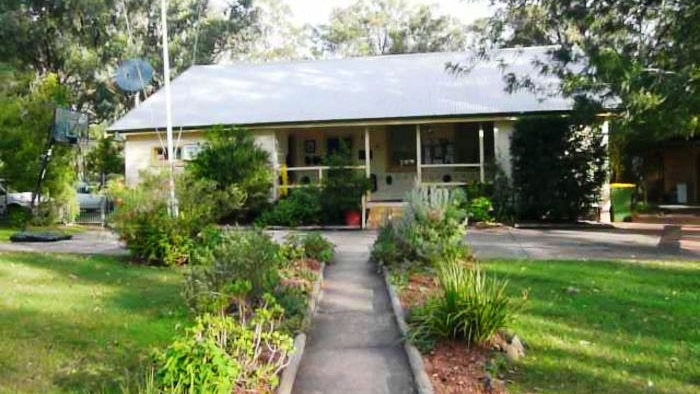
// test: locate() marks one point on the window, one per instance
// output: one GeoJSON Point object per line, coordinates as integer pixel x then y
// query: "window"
{"type": "Point", "coordinates": [467, 142]}
{"type": "Point", "coordinates": [402, 146]}
{"type": "Point", "coordinates": [161, 154]}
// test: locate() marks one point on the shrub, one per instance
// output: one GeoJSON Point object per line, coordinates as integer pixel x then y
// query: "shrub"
{"type": "Point", "coordinates": [343, 188]}
{"type": "Point", "coordinates": [385, 250]}
{"type": "Point", "coordinates": [479, 209]}
{"type": "Point", "coordinates": [558, 168]}
{"type": "Point", "coordinates": [433, 226]}
{"type": "Point", "coordinates": [471, 307]}
{"type": "Point", "coordinates": [237, 270]}
{"type": "Point", "coordinates": [222, 354]}
{"type": "Point", "coordinates": [231, 157]}
{"type": "Point", "coordinates": [302, 207]}
{"type": "Point", "coordinates": [151, 234]}
{"type": "Point", "coordinates": [318, 248]}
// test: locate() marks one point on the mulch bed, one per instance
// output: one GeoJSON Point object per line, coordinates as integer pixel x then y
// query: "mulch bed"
{"type": "Point", "coordinates": [452, 366]}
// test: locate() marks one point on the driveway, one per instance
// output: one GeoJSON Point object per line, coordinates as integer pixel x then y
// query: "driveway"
{"type": "Point", "coordinates": [91, 242]}
{"type": "Point", "coordinates": [631, 241]}
{"type": "Point", "coordinates": [626, 241]}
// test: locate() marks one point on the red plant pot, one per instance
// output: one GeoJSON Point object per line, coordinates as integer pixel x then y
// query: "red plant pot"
{"type": "Point", "coordinates": [353, 218]}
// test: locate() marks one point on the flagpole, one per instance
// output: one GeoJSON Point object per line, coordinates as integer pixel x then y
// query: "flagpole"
{"type": "Point", "coordinates": [172, 202]}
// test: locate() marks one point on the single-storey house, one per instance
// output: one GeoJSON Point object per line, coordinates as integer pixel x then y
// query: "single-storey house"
{"type": "Point", "coordinates": [420, 122]}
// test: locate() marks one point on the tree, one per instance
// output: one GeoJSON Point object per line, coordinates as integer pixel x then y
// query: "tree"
{"type": "Point", "coordinates": [389, 26]}
{"type": "Point", "coordinates": [640, 56]}
{"type": "Point", "coordinates": [105, 158]}
{"type": "Point", "coordinates": [558, 168]}
{"type": "Point", "coordinates": [82, 42]}
{"type": "Point", "coordinates": [232, 158]}
{"type": "Point", "coordinates": [26, 115]}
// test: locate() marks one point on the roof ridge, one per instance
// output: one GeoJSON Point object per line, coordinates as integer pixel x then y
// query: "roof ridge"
{"type": "Point", "coordinates": [362, 58]}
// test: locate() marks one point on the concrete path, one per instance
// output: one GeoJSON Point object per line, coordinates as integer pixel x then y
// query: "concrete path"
{"type": "Point", "coordinates": [91, 242]}
{"type": "Point", "coordinates": [354, 345]}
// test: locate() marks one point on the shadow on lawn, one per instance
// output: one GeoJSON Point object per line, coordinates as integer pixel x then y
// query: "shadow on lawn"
{"type": "Point", "coordinates": [623, 326]}
{"type": "Point", "coordinates": [117, 313]}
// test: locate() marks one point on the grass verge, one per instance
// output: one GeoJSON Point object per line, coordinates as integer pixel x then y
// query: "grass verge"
{"type": "Point", "coordinates": [606, 327]}
{"type": "Point", "coordinates": [81, 324]}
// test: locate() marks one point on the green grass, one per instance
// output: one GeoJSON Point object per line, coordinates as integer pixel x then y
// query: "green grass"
{"type": "Point", "coordinates": [7, 231]}
{"type": "Point", "coordinates": [631, 328]}
{"type": "Point", "coordinates": [81, 324]}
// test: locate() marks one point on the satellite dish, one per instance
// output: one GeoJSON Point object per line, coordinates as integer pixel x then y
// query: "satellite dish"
{"type": "Point", "coordinates": [134, 75]}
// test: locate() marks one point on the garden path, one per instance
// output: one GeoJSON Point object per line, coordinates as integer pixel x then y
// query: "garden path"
{"type": "Point", "coordinates": [354, 345]}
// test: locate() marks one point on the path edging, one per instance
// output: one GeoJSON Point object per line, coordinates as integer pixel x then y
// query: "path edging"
{"type": "Point", "coordinates": [415, 360]}
{"type": "Point", "coordinates": [289, 375]}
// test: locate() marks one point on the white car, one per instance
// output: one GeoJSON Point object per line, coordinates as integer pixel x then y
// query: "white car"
{"type": "Point", "coordinates": [86, 199]}
{"type": "Point", "coordinates": [10, 200]}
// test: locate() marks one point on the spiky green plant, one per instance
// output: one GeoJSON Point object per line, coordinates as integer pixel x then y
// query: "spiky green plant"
{"type": "Point", "coordinates": [472, 306]}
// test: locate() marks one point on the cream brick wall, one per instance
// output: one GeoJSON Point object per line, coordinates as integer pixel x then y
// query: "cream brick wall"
{"type": "Point", "coordinates": [139, 151]}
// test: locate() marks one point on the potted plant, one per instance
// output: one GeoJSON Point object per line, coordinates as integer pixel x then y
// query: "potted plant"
{"type": "Point", "coordinates": [343, 188]}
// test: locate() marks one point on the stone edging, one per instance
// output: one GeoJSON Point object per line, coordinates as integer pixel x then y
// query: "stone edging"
{"type": "Point", "coordinates": [289, 375]}
{"type": "Point", "coordinates": [415, 360]}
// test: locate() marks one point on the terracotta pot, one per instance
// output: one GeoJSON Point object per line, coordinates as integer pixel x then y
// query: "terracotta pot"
{"type": "Point", "coordinates": [353, 218]}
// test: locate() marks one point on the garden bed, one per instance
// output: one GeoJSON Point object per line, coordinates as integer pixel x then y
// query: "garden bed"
{"type": "Point", "coordinates": [451, 366]}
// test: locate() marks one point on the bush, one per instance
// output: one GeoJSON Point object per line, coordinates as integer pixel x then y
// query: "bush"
{"type": "Point", "coordinates": [471, 307]}
{"type": "Point", "coordinates": [558, 168]}
{"type": "Point", "coordinates": [433, 226]}
{"type": "Point", "coordinates": [479, 209]}
{"type": "Point", "coordinates": [301, 208]}
{"type": "Point", "coordinates": [385, 250]}
{"type": "Point", "coordinates": [343, 188]}
{"type": "Point", "coordinates": [231, 157]}
{"type": "Point", "coordinates": [318, 248]}
{"type": "Point", "coordinates": [221, 354]}
{"type": "Point", "coordinates": [151, 234]}
{"type": "Point", "coordinates": [236, 271]}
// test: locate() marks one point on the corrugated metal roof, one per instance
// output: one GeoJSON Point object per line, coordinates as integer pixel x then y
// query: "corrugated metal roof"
{"type": "Point", "coordinates": [382, 87]}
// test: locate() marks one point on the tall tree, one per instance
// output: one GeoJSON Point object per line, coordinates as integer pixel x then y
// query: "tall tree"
{"type": "Point", "coordinates": [389, 26]}
{"type": "Point", "coordinates": [83, 41]}
{"type": "Point", "coordinates": [640, 55]}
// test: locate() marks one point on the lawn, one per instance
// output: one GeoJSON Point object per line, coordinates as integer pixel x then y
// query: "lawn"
{"type": "Point", "coordinates": [606, 327]}
{"type": "Point", "coordinates": [81, 324]}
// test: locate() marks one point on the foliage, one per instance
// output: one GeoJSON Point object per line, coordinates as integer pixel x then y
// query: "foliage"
{"type": "Point", "coordinates": [471, 306]}
{"type": "Point", "coordinates": [105, 158]}
{"type": "Point", "coordinates": [151, 234]}
{"type": "Point", "coordinates": [26, 115]}
{"type": "Point", "coordinates": [480, 209]}
{"type": "Point", "coordinates": [558, 168]}
{"type": "Point", "coordinates": [503, 204]}
{"type": "Point", "coordinates": [83, 42]}
{"type": "Point", "coordinates": [232, 158]}
{"type": "Point", "coordinates": [389, 26]}
{"type": "Point", "coordinates": [237, 271]}
{"type": "Point", "coordinates": [309, 246]}
{"type": "Point", "coordinates": [433, 227]}
{"type": "Point", "coordinates": [343, 187]}
{"type": "Point", "coordinates": [639, 56]}
{"type": "Point", "coordinates": [431, 230]}
{"type": "Point", "coordinates": [222, 354]}
{"type": "Point", "coordinates": [318, 248]}
{"type": "Point", "coordinates": [385, 249]}
{"type": "Point", "coordinates": [302, 207]}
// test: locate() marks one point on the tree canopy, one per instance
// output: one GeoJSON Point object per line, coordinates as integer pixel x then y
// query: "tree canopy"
{"type": "Point", "coordinates": [643, 54]}
{"type": "Point", "coordinates": [389, 26]}
{"type": "Point", "coordinates": [82, 42]}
